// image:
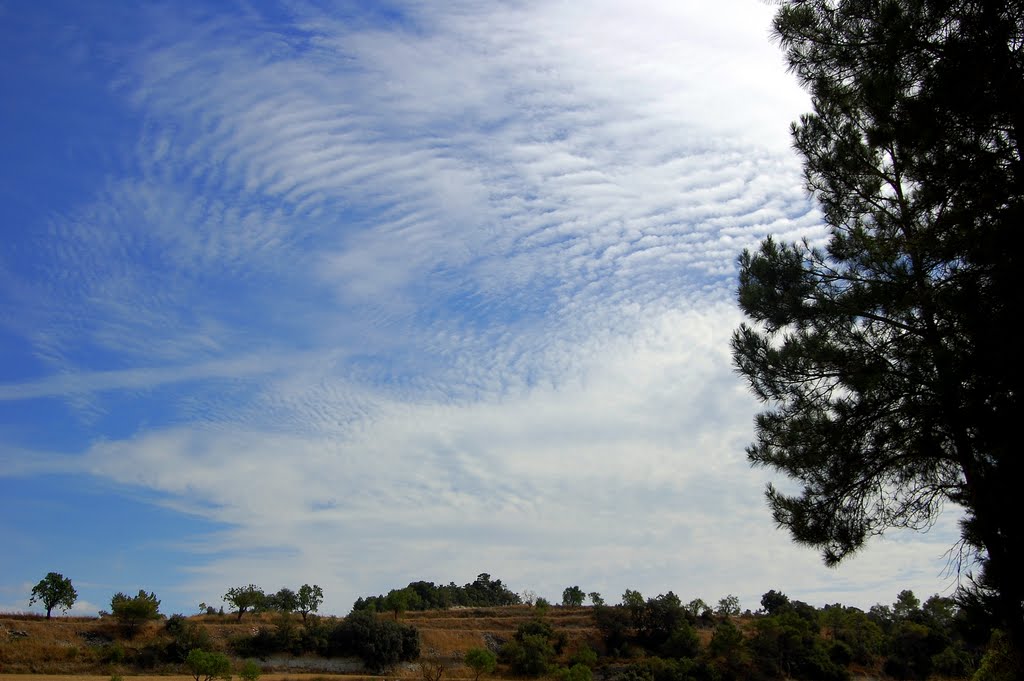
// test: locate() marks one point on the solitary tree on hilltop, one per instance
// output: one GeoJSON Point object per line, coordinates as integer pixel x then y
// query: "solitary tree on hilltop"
{"type": "Point", "coordinates": [573, 596]}
{"type": "Point", "coordinates": [243, 598]}
{"type": "Point", "coordinates": [884, 357]}
{"type": "Point", "coordinates": [309, 599]}
{"type": "Point", "coordinates": [54, 590]}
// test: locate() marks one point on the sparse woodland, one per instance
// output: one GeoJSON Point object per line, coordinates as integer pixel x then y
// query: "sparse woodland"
{"type": "Point", "coordinates": [406, 634]}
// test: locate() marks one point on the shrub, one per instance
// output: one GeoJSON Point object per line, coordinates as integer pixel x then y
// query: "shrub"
{"type": "Point", "coordinates": [250, 671]}
{"type": "Point", "coordinates": [584, 655]}
{"type": "Point", "coordinates": [481, 661]}
{"type": "Point", "coordinates": [132, 612]}
{"type": "Point", "coordinates": [578, 672]}
{"type": "Point", "coordinates": [113, 653]}
{"type": "Point", "coordinates": [186, 636]}
{"type": "Point", "coordinates": [205, 666]}
{"type": "Point", "coordinates": [529, 655]}
{"type": "Point", "coordinates": [379, 643]}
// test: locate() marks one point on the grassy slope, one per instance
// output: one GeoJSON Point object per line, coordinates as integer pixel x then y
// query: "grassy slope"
{"type": "Point", "coordinates": [71, 645]}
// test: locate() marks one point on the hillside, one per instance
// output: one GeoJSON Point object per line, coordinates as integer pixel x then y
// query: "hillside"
{"type": "Point", "coordinates": [80, 646]}
{"type": "Point", "coordinates": [68, 646]}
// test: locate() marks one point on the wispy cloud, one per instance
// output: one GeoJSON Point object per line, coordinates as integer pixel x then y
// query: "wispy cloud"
{"type": "Point", "coordinates": [432, 295]}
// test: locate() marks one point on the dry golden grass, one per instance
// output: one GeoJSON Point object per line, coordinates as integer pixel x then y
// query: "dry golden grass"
{"type": "Point", "coordinates": [67, 647]}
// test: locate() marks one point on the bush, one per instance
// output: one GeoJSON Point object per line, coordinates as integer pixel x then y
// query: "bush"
{"type": "Point", "coordinates": [481, 661]}
{"type": "Point", "coordinates": [250, 671]}
{"type": "Point", "coordinates": [584, 655]}
{"type": "Point", "coordinates": [133, 612]}
{"type": "Point", "coordinates": [578, 672]}
{"type": "Point", "coordinates": [529, 655]}
{"type": "Point", "coordinates": [205, 666]}
{"type": "Point", "coordinates": [683, 642]}
{"type": "Point", "coordinates": [1000, 663]}
{"type": "Point", "coordinates": [380, 643]}
{"type": "Point", "coordinates": [113, 653]}
{"type": "Point", "coordinates": [186, 636]}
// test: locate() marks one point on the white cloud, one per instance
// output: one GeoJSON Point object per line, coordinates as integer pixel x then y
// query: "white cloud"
{"type": "Point", "coordinates": [446, 299]}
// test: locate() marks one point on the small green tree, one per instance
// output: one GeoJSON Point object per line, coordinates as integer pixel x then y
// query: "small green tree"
{"type": "Point", "coordinates": [400, 600]}
{"type": "Point", "coordinates": [205, 666]}
{"type": "Point", "coordinates": [245, 598]}
{"type": "Point", "coordinates": [132, 612]}
{"type": "Point", "coordinates": [250, 671]}
{"type": "Point", "coordinates": [774, 602]}
{"type": "Point", "coordinates": [573, 596]}
{"type": "Point", "coordinates": [696, 607]}
{"type": "Point", "coordinates": [728, 606]}
{"type": "Point", "coordinates": [529, 655]}
{"type": "Point", "coordinates": [285, 600]}
{"type": "Point", "coordinates": [481, 661]}
{"type": "Point", "coordinates": [309, 600]}
{"type": "Point", "coordinates": [595, 598]}
{"type": "Point", "coordinates": [54, 590]}
{"type": "Point", "coordinates": [632, 599]}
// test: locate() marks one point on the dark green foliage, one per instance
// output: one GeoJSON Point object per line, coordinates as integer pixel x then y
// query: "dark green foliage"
{"type": "Point", "coordinates": [912, 646]}
{"type": "Point", "coordinates": [528, 655]}
{"type": "Point", "coordinates": [885, 358]}
{"type": "Point", "coordinates": [952, 662]}
{"type": "Point", "coordinates": [840, 653]}
{"type": "Point", "coordinates": [285, 600]}
{"type": "Point", "coordinates": [262, 643]}
{"type": "Point", "coordinates": [855, 629]}
{"type": "Point", "coordinates": [683, 642]}
{"type": "Point", "coordinates": [205, 666]}
{"type": "Point", "coordinates": [481, 661]}
{"type": "Point", "coordinates": [774, 602]}
{"type": "Point", "coordinates": [186, 636]}
{"type": "Point", "coordinates": [113, 653]}
{"type": "Point", "coordinates": [577, 672]}
{"type": "Point", "coordinates": [533, 648]}
{"type": "Point", "coordinates": [380, 643]}
{"type": "Point", "coordinates": [133, 611]}
{"type": "Point", "coordinates": [728, 606]}
{"type": "Point", "coordinates": [245, 598]}
{"type": "Point", "coordinates": [285, 635]}
{"type": "Point", "coordinates": [789, 645]}
{"type": "Point", "coordinates": [658, 619]}
{"type": "Point", "coordinates": [658, 669]}
{"type": "Point", "coordinates": [250, 671]}
{"type": "Point", "coordinates": [1001, 662]}
{"type": "Point", "coordinates": [481, 593]}
{"type": "Point", "coordinates": [906, 607]}
{"type": "Point", "coordinates": [573, 596]}
{"type": "Point", "coordinates": [584, 655]}
{"type": "Point", "coordinates": [308, 600]}
{"type": "Point", "coordinates": [400, 600]}
{"type": "Point", "coordinates": [633, 600]}
{"type": "Point", "coordinates": [697, 607]}
{"type": "Point", "coordinates": [615, 624]}
{"type": "Point", "coordinates": [54, 590]}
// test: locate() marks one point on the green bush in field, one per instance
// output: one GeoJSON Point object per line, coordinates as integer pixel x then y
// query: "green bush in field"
{"type": "Point", "coordinates": [481, 661]}
{"type": "Point", "coordinates": [206, 666]}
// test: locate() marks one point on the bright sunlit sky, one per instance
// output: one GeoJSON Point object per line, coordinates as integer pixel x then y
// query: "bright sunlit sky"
{"type": "Point", "coordinates": [363, 293]}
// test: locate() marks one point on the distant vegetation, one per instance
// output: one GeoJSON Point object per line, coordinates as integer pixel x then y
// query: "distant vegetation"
{"type": "Point", "coordinates": [481, 593]}
{"type": "Point", "coordinates": [640, 639]}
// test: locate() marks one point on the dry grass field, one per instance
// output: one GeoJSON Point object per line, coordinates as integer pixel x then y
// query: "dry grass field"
{"type": "Point", "coordinates": [33, 648]}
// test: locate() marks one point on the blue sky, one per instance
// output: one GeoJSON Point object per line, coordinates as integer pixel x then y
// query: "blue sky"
{"type": "Point", "coordinates": [359, 293]}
